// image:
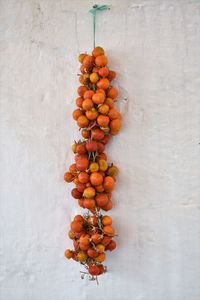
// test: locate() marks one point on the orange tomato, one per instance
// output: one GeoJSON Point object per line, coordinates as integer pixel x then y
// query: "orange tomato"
{"type": "Point", "coordinates": [81, 90]}
{"type": "Point", "coordinates": [108, 206]}
{"type": "Point", "coordinates": [98, 98]}
{"type": "Point", "coordinates": [71, 234]}
{"type": "Point", "coordinates": [85, 133]}
{"type": "Point", "coordinates": [87, 104]}
{"type": "Point", "coordinates": [89, 192]}
{"type": "Point", "coordinates": [97, 134]}
{"type": "Point", "coordinates": [76, 226]}
{"type": "Point", "coordinates": [82, 121]}
{"type": "Point", "coordinates": [92, 114]}
{"type": "Point", "coordinates": [103, 83]}
{"type": "Point", "coordinates": [97, 51]}
{"type": "Point", "coordinates": [115, 126]}
{"type": "Point", "coordinates": [109, 230]}
{"type": "Point", "coordinates": [83, 246]}
{"type": "Point", "coordinates": [106, 220]}
{"type": "Point", "coordinates": [106, 240]}
{"type": "Point", "coordinates": [80, 148]}
{"type": "Point", "coordinates": [109, 102]}
{"type": "Point", "coordinates": [111, 246]}
{"type": "Point", "coordinates": [101, 61]}
{"type": "Point", "coordinates": [112, 93]}
{"type": "Point", "coordinates": [106, 139]}
{"type": "Point", "coordinates": [99, 188]}
{"type": "Point", "coordinates": [85, 239]}
{"type": "Point", "coordinates": [103, 109]}
{"type": "Point", "coordinates": [79, 102]}
{"type": "Point", "coordinates": [88, 61]}
{"type": "Point", "coordinates": [83, 177]}
{"type": "Point", "coordinates": [96, 178]}
{"type": "Point", "coordinates": [95, 70]}
{"type": "Point", "coordinates": [101, 257]}
{"type": "Point", "coordinates": [69, 254]}
{"type": "Point", "coordinates": [91, 146]}
{"type": "Point", "coordinates": [96, 238]}
{"type": "Point", "coordinates": [68, 177]}
{"type": "Point", "coordinates": [81, 202]}
{"type": "Point", "coordinates": [108, 184]}
{"type": "Point", "coordinates": [92, 253]}
{"type": "Point", "coordinates": [94, 270]}
{"type": "Point", "coordinates": [78, 218]}
{"type": "Point", "coordinates": [81, 57]}
{"type": "Point", "coordinates": [88, 94]}
{"type": "Point", "coordinates": [76, 194]}
{"type": "Point", "coordinates": [111, 75]}
{"type": "Point", "coordinates": [103, 72]}
{"type": "Point", "coordinates": [100, 147]}
{"type": "Point", "coordinates": [77, 113]}
{"type": "Point", "coordinates": [101, 200]}
{"type": "Point", "coordinates": [102, 120]}
{"type": "Point", "coordinates": [89, 203]}
{"type": "Point", "coordinates": [82, 164]}
{"type": "Point", "coordinates": [76, 181]}
{"type": "Point", "coordinates": [114, 114]}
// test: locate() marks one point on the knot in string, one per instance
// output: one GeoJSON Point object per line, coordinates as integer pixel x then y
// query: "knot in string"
{"type": "Point", "coordinates": [93, 11]}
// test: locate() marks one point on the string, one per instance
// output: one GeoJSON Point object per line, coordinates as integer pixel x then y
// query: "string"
{"type": "Point", "coordinates": [93, 11]}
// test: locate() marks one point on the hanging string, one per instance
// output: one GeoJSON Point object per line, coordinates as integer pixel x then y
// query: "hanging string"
{"type": "Point", "coordinates": [93, 11]}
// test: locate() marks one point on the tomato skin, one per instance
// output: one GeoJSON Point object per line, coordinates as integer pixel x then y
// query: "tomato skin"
{"type": "Point", "coordinates": [96, 178]}
{"type": "Point", "coordinates": [101, 200]}
{"type": "Point", "coordinates": [91, 146]}
{"type": "Point", "coordinates": [76, 194]}
{"type": "Point", "coordinates": [82, 163]}
{"type": "Point", "coordinates": [97, 134]}
{"type": "Point", "coordinates": [111, 246]}
{"type": "Point", "coordinates": [94, 270]}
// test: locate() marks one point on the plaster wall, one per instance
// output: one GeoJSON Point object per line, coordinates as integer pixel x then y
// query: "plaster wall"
{"type": "Point", "coordinates": [154, 47]}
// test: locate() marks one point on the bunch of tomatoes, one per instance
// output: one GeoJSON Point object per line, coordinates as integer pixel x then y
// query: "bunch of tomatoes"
{"type": "Point", "coordinates": [94, 178]}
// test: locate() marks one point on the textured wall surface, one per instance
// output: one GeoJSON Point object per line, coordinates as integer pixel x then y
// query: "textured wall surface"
{"type": "Point", "coordinates": [154, 46]}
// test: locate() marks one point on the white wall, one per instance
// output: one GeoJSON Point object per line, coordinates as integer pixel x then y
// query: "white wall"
{"type": "Point", "coordinates": [154, 47]}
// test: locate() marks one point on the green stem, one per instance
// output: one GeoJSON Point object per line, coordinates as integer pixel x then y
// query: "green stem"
{"type": "Point", "coordinates": [93, 11]}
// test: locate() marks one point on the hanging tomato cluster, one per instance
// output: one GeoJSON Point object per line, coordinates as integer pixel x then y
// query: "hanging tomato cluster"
{"type": "Point", "coordinates": [94, 178]}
